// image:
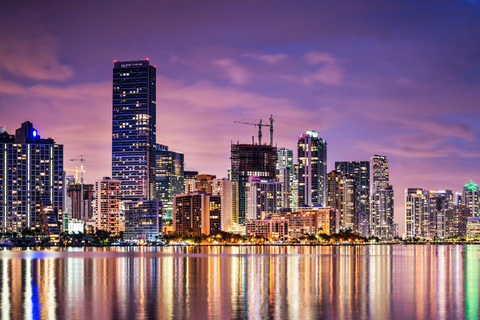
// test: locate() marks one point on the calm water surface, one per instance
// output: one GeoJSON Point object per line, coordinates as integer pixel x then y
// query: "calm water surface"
{"type": "Point", "coordinates": [364, 282]}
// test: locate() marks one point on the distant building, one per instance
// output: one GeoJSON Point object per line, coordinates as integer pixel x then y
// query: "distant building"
{"type": "Point", "coordinates": [143, 220]}
{"type": "Point", "coordinates": [380, 176]}
{"type": "Point", "coordinates": [82, 208]}
{"type": "Point", "coordinates": [202, 182]}
{"type": "Point", "coordinates": [310, 221]}
{"type": "Point", "coordinates": [285, 175]}
{"type": "Point", "coordinates": [341, 194]}
{"type": "Point", "coordinates": [268, 228]}
{"type": "Point", "coordinates": [360, 171]}
{"type": "Point", "coordinates": [32, 181]}
{"type": "Point", "coordinates": [251, 160]}
{"type": "Point", "coordinates": [382, 213]}
{"type": "Point", "coordinates": [456, 221]}
{"type": "Point", "coordinates": [262, 196]}
{"type": "Point", "coordinates": [169, 175]}
{"type": "Point", "coordinates": [108, 214]}
{"type": "Point", "coordinates": [473, 227]}
{"type": "Point", "coordinates": [312, 169]}
{"type": "Point", "coordinates": [470, 198]}
{"type": "Point", "coordinates": [197, 213]}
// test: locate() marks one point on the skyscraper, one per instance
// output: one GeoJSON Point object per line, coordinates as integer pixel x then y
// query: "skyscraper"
{"type": "Point", "coordinates": [382, 213]}
{"type": "Point", "coordinates": [134, 128]}
{"type": "Point", "coordinates": [285, 175]}
{"type": "Point", "coordinates": [470, 198]}
{"type": "Point", "coordinates": [312, 169]}
{"type": "Point", "coordinates": [341, 194]}
{"type": "Point", "coordinates": [360, 171]}
{"type": "Point", "coordinates": [107, 197]}
{"type": "Point", "coordinates": [380, 177]}
{"type": "Point", "coordinates": [262, 196]}
{"type": "Point", "coordinates": [249, 160]}
{"type": "Point", "coordinates": [31, 181]}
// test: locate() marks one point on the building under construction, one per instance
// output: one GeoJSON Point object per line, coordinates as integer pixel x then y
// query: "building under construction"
{"type": "Point", "coordinates": [252, 160]}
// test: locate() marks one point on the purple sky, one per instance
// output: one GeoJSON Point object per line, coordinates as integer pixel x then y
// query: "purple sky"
{"type": "Point", "coordinates": [397, 78]}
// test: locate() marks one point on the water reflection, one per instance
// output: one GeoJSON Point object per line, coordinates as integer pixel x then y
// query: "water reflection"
{"type": "Point", "coordinates": [364, 282]}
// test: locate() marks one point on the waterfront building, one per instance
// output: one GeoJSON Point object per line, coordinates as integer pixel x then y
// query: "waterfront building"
{"type": "Point", "coordinates": [473, 227]}
{"type": "Point", "coordinates": [309, 221]}
{"type": "Point", "coordinates": [169, 175]}
{"type": "Point", "coordinates": [251, 160]}
{"type": "Point", "coordinates": [382, 213]}
{"type": "Point", "coordinates": [312, 169]}
{"type": "Point", "coordinates": [268, 228]}
{"type": "Point", "coordinates": [202, 182]}
{"type": "Point", "coordinates": [285, 175]}
{"type": "Point", "coordinates": [262, 196]}
{"type": "Point", "coordinates": [228, 192]}
{"type": "Point", "coordinates": [81, 205]}
{"type": "Point", "coordinates": [380, 176]}
{"type": "Point", "coordinates": [360, 171]}
{"type": "Point", "coordinates": [31, 181]}
{"type": "Point", "coordinates": [134, 129]}
{"type": "Point", "coordinates": [341, 194]}
{"type": "Point", "coordinates": [470, 198]}
{"type": "Point", "coordinates": [107, 208]}
{"type": "Point", "coordinates": [143, 220]}
{"type": "Point", "coordinates": [456, 219]}
{"type": "Point", "coordinates": [197, 213]}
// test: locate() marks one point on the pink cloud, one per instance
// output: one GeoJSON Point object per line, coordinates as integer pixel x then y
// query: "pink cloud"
{"type": "Point", "coordinates": [267, 58]}
{"type": "Point", "coordinates": [236, 73]}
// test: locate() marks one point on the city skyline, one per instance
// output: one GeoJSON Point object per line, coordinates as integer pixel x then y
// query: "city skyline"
{"type": "Point", "coordinates": [409, 92]}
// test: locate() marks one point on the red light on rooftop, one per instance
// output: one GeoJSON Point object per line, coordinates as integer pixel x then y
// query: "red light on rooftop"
{"type": "Point", "coordinates": [115, 61]}
{"type": "Point", "coordinates": [147, 59]}
{"type": "Point", "coordinates": [154, 66]}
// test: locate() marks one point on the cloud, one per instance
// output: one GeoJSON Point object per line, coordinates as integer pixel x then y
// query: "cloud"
{"type": "Point", "coordinates": [329, 72]}
{"type": "Point", "coordinates": [236, 73]}
{"type": "Point", "coordinates": [267, 58]}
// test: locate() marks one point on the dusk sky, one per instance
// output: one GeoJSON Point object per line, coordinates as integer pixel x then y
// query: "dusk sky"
{"type": "Point", "coordinates": [396, 78]}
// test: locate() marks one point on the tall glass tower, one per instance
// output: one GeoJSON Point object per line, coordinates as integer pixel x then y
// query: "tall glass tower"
{"type": "Point", "coordinates": [134, 128]}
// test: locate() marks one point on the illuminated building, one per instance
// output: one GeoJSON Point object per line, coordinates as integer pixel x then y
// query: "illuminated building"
{"type": "Point", "coordinates": [473, 227]}
{"type": "Point", "coordinates": [341, 194]}
{"type": "Point", "coordinates": [382, 213]}
{"type": "Point", "coordinates": [169, 175]}
{"type": "Point", "coordinates": [470, 198]}
{"type": "Point", "coordinates": [107, 208]}
{"type": "Point", "coordinates": [360, 171]}
{"type": "Point", "coordinates": [380, 176]}
{"type": "Point", "coordinates": [285, 175]}
{"type": "Point", "coordinates": [251, 160]}
{"type": "Point", "coordinates": [31, 181]}
{"type": "Point", "coordinates": [202, 182]}
{"type": "Point", "coordinates": [456, 221]}
{"type": "Point", "coordinates": [82, 208]}
{"type": "Point", "coordinates": [143, 220]}
{"type": "Point", "coordinates": [262, 196]}
{"type": "Point", "coordinates": [196, 213]}
{"type": "Point", "coordinates": [268, 228]}
{"type": "Point", "coordinates": [426, 212]}
{"type": "Point", "coordinates": [312, 169]}
{"type": "Point", "coordinates": [134, 129]}
{"type": "Point", "coordinates": [310, 221]}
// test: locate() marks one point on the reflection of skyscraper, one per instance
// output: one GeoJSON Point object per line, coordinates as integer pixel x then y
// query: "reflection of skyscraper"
{"type": "Point", "coordinates": [169, 176]}
{"type": "Point", "coordinates": [360, 171]}
{"type": "Point", "coordinates": [32, 177]}
{"type": "Point", "coordinates": [312, 169]}
{"type": "Point", "coordinates": [134, 128]}
{"type": "Point", "coordinates": [248, 160]}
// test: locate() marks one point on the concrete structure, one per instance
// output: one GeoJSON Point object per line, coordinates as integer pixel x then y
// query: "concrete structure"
{"type": "Point", "coordinates": [82, 208]}
{"type": "Point", "coordinates": [32, 180]}
{"type": "Point", "coordinates": [312, 169]}
{"type": "Point", "coordinates": [262, 196]}
{"type": "Point", "coordinates": [269, 228]}
{"type": "Point", "coordinates": [107, 208]}
{"type": "Point", "coordinates": [197, 213]}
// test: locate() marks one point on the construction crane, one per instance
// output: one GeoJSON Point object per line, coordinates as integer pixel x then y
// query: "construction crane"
{"type": "Point", "coordinates": [76, 170]}
{"type": "Point", "coordinates": [82, 161]}
{"type": "Point", "coordinates": [260, 125]}
{"type": "Point", "coordinates": [82, 195]}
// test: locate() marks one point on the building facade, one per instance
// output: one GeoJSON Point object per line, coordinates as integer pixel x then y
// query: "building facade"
{"type": "Point", "coordinates": [341, 194]}
{"type": "Point", "coordinates": [31, 181]}
{"type": "Point", "coordinates": [263, 196]}
{"type": "Point", "coordinates": [197, 213]}
{"type": "Point", "coordinates": [470, 198]}
{"type": "Point", "coordinates": [143, 220]}
{"type": "Point", "coordinates": [312, 169]}
{"type": "Point", "coordinates": [382, 213]}
{"type": "Point", "coordinates": [360, 171]}
{"type": "Point", "coordinates": [107, 208]}
{"type": "Point", "coordinates": [268, 228]}
{"type": "Point", "coordinates": [81, 197]}
{"type": "Point", "coordinates": [380, 175]}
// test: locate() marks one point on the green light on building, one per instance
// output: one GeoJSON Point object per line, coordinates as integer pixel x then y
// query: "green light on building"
{"type": "Point", "coordinates": [472, 186]}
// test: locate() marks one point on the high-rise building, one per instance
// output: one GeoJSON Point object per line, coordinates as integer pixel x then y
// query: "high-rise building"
{"type": "Point", "coordinates": [134, 129]}
{"type": "Point", "coordinates": [251, 160]}
{"type": "Point", "coordinates": [203, 182]}
{"type": "Point", "coordinates": [284, 158]}
{"type": "Point", "coordinates": [456, 221]}
{"type": "Point", "coordinates": [310, 221]}
{"type": "Point", "coordinates": [108, 214]}
{"type": "Point", "coordinates": [285, 175]}
{"type": "Point", "coordinates": [263, 196]}
{"type": "Point", "coordinates": [341, 194]}
{"type": "Point", "coordinates": [31, 181]}
{"type": "Point", "coordinates": [228, 192]}
{"type": "Point", "coordinates": [169, 172]}
{"type": "Point", "coordinates": [380, 177]}
{"type": "Point", "coordinates": [143, 220]}
{"type": "Point", "coordinates": [82, 208]}
{"type": "Point", "coordinates": [312, 169]}
{"type": "Point", "coordinates": [196, 213]}
{"type": "Point", "coordinates": [471, 198]}
{"type": "Point", "coordinates": [382, 213]}
{"type": "Point", "coordinates": [360, 171]}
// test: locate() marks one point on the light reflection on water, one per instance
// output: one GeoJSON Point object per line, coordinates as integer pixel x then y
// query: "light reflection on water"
{"type": "Point", "coordinates": [363, 282]}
